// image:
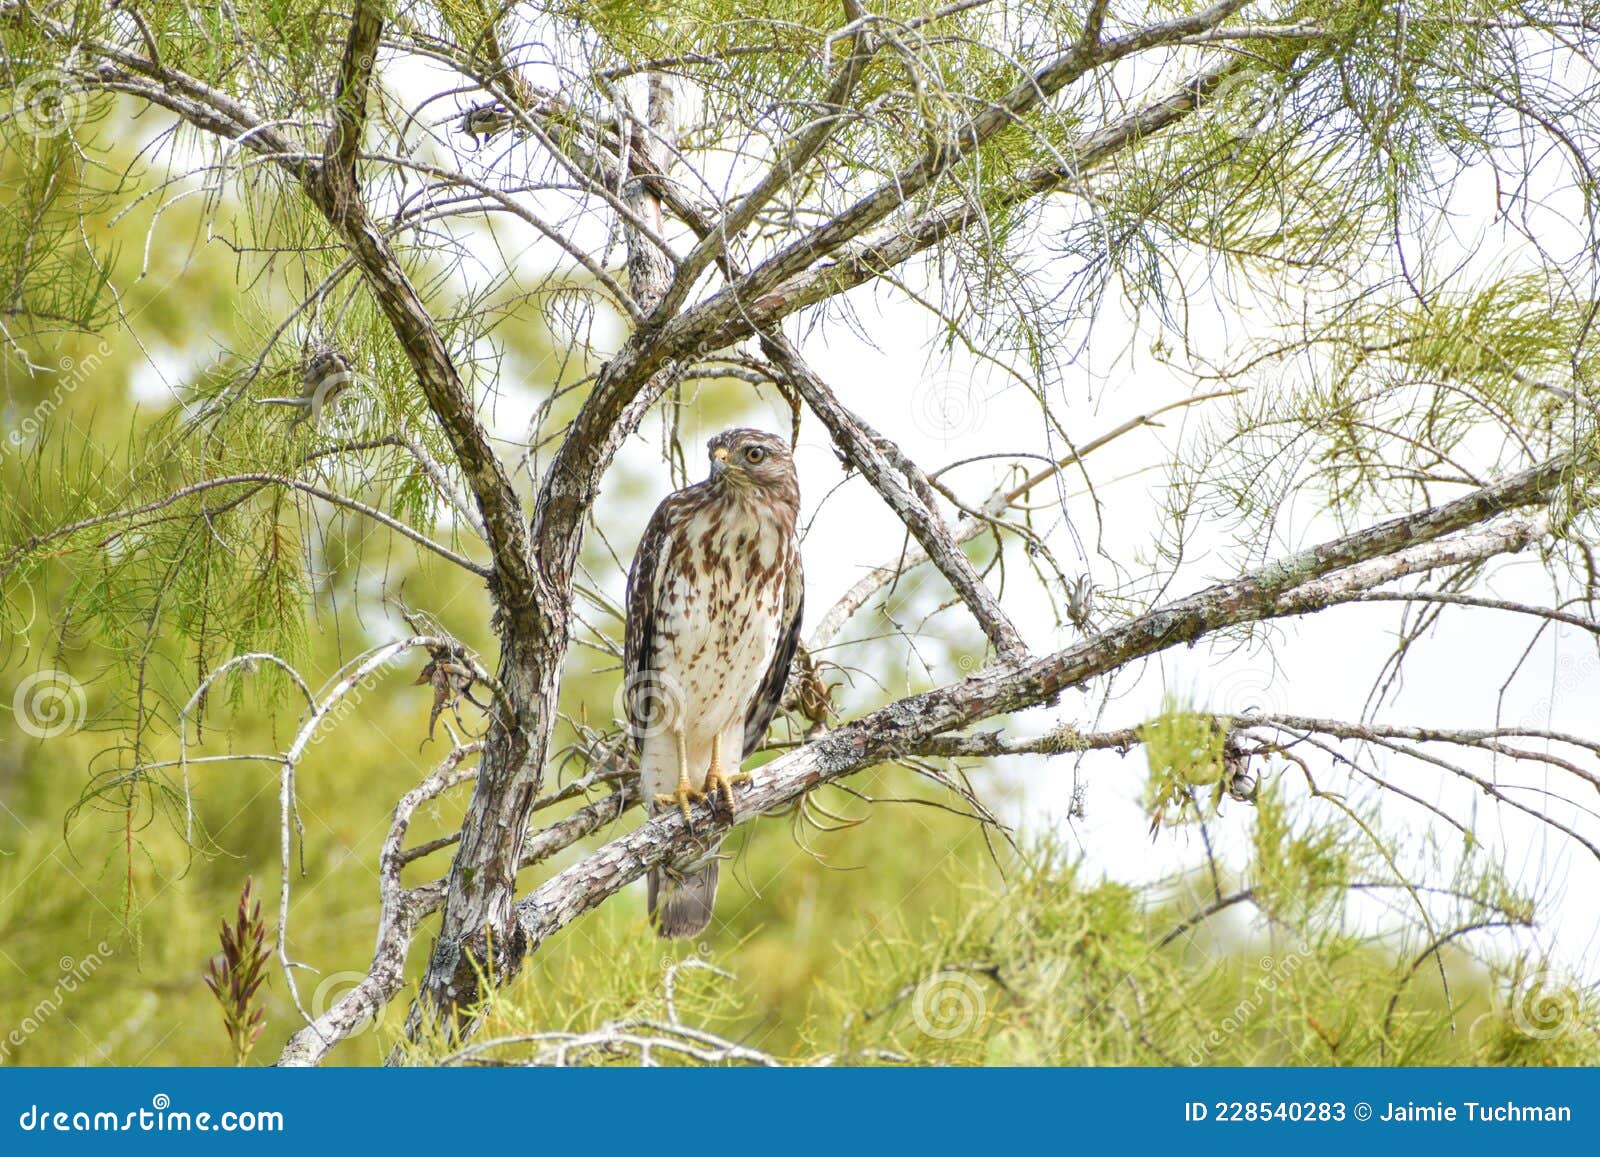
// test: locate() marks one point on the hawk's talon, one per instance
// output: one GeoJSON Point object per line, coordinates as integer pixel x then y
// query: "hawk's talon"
{"type": "Point", "coordinates": [719, 784]}
{"type": "Point", "coordinates": [681, 798]}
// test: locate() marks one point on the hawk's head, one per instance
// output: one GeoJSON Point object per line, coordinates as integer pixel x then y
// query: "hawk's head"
{"type": "Point", "coordinates": [753, 458]}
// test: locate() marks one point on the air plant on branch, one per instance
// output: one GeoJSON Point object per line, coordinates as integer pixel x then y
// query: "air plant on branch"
{"type": "Point", "coordinates": [235, 975]}
{"type": "Point", "coordinates": [452, 681]}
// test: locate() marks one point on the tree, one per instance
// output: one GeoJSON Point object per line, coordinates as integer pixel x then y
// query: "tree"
{"type": "Point", "coordinates": [1292, 165]}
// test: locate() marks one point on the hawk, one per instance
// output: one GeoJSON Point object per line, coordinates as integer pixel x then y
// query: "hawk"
{"type": "Point", "coordinates": [714, 602]}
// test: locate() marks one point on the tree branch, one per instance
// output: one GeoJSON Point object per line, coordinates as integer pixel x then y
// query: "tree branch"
{"type": "Point", "coordinates": [792, 157]}
{"type": "Point", "coordinates": [350, 104]}
{"type": "Point", "coordinates": [969, 529]}
{"type": "Point", "coordinates": [335, 193]}
{"type": "Point", "coordinates": [1309, 581]}
{"type": "Point", "coordinates": [329, 182]}
{"type": "Point", "coordinates": [904, 487]}
{"type": "Point", "coordinates": [739, 314]}
{"type": "Point", "coordinates": [399, 912]}
{"type": "Point", "coordinates": [1087, 53]}
{"type": "Point", "coordinates": [332, 497]}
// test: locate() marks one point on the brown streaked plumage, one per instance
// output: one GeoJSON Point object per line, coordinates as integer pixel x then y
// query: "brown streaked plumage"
{"type": "Point", "coordinates": [714, 603]}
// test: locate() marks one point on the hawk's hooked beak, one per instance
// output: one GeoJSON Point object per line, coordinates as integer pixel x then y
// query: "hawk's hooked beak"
{"type": "Point", "coordinates": [719, 460]}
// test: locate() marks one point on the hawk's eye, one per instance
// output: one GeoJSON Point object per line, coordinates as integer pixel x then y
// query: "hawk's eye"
{"type": "Point", "coordinates": [754, 454]}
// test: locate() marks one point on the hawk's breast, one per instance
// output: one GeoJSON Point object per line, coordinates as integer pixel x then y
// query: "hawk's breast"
{"type": "Point", "coordinates": [720, 611]}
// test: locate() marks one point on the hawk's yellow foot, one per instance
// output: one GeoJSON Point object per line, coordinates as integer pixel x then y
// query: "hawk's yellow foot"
{"type": "Point", "coordinates": [720, 783]}
{"type": "Point", "coordinates": [685, 794]}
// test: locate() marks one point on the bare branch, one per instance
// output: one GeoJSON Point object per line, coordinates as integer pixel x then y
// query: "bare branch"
{"type": "Point", "coordinates": [903, 486]}
{"type": "Point", "coordinates": [1310, 581]}
{"type": "Point", "coordinates": [792, 157]}
{"type": "Point", "coordinates": [334, 498]}
{"type": "Point", "coordinates": [1444, 598]}
{"type": "Point", "coordinates": [970, 529]}
{"type": "Point", "coordinates": [399, 913]}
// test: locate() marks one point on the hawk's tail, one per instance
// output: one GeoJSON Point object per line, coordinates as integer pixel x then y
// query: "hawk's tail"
{"type": "Point", "coordinates": [680, 907]}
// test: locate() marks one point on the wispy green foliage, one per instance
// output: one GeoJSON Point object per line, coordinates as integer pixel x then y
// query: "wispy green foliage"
{"type": "Point", "coordinates": [51, 276]}
{"type": "Point", "coordinates": [1058, 968]}
{"type": "Point", "coordinates": [1184, 751]}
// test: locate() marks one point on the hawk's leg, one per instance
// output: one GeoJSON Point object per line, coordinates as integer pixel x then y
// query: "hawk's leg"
{"type": "Point", "coordinates": [685, 791]}
{"type": "Point", "coordinates": [718, 781]}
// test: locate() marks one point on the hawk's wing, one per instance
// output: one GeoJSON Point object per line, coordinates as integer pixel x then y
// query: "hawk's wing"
{"type": "Point", "coordinates": [770, 693]}
{"type": "Point", "coordinates": [644, 580]}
